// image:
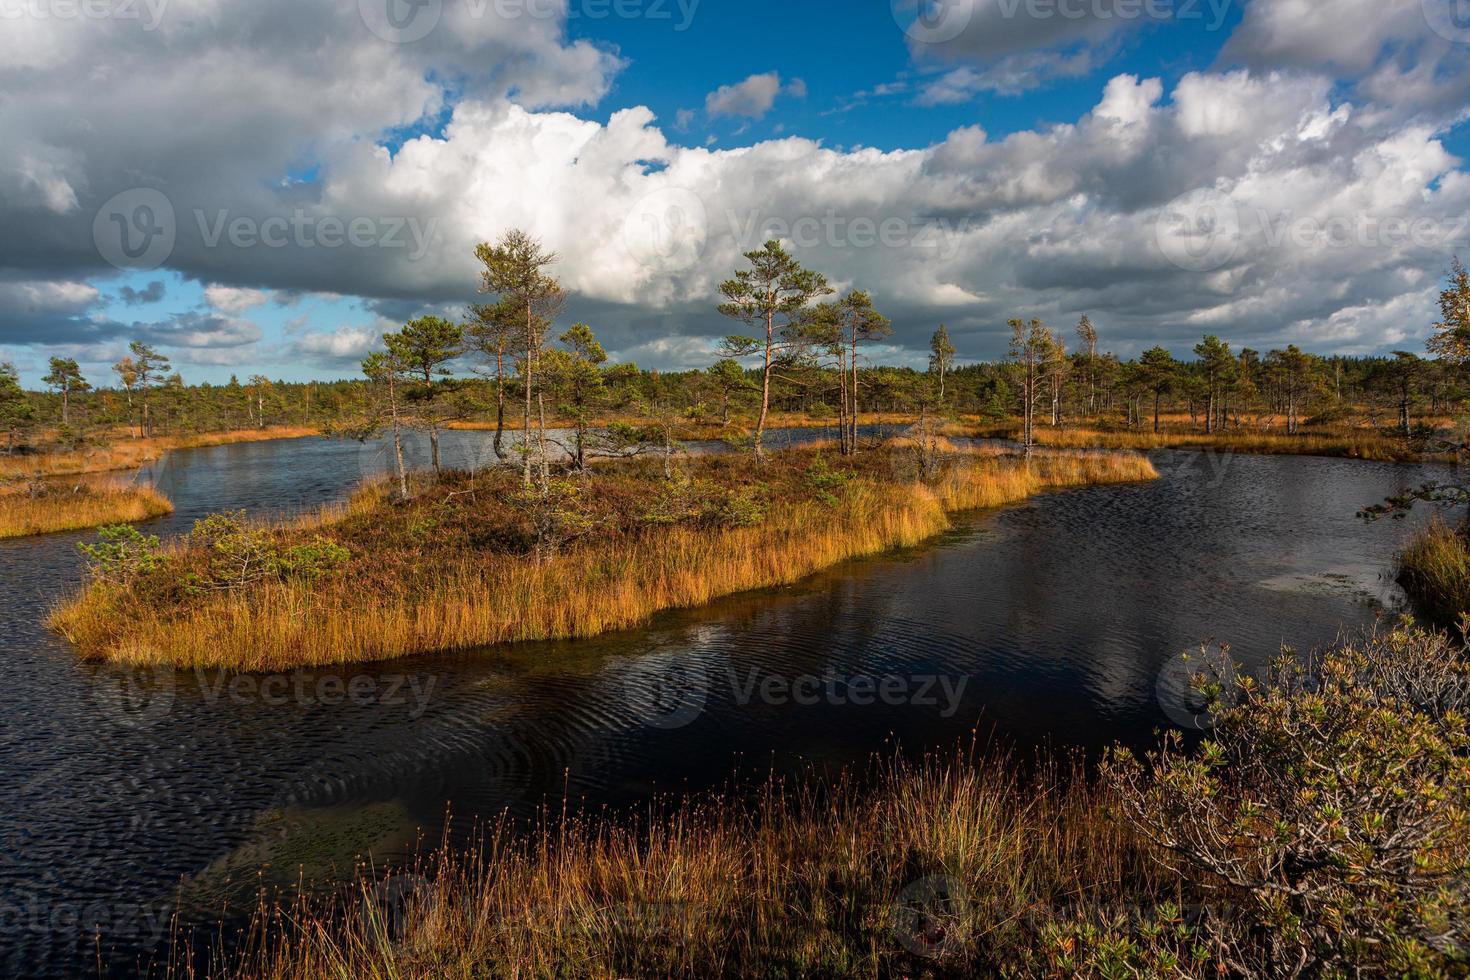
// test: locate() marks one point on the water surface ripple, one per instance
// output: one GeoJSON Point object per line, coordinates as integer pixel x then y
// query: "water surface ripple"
{"type": "Point", "coordinates": [125, 795]}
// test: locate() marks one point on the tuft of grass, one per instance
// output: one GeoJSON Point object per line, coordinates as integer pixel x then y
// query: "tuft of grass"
{"type": "Point", "coordinates": [49, 509]}
{"type": "Point", "coordinates": [466, 563]}
{"type": "Point", "coordinates": [1435, 571]}
{"type": "Point", "coordinates": [942, 867]}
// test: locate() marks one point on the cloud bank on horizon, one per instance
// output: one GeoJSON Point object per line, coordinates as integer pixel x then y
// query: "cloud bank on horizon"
{"type": "Point", "coordinates": [263, 186]}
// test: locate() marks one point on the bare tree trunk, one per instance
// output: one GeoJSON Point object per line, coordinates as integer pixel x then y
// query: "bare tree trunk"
{"type": "Point", "coordinates": [529, 372]}
{"type": "Point", "coordinates": [854, 405]}
{"type": "Point", "coordinates": [760, 426]}
{"type": "Point", "coordinates": [433, 421]}
{"type": "Point", "coordinates": [499, 405]}
{"type": "Point", "coordinates": [397, 437]}
{"type": "Point", "coordinates": [541, 442]}
{"type": "Point", "coordinates": [842, 400]}
{"type": "Point", "coordinates": [1029, 413]}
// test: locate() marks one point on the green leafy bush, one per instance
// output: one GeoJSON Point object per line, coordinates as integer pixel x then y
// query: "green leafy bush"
{"type": "Point", "coordinates": [827, 484]}
{"type": "Point", "coordinates": [556, 515]}
{"type": "Point", "coordinates": [1166, 942]}
{"type": "Point", "coordinates": [705, 504]}
{"type": "Point", "coordinates": [123, 554]}
{"type": "Point", "coordinates": [236, 554]}
{"type": "Point", "coordinates": [1329, 810]}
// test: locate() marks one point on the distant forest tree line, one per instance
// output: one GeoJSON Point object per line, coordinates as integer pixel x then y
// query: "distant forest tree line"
{"type": "Point", "coordinates": [812, 359]}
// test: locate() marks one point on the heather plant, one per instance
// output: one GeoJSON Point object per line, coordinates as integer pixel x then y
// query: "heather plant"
{"type": "Point", "coordinates": [1329, 810]}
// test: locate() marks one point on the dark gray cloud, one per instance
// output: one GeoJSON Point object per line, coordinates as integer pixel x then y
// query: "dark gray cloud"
{"type": "Point", "coordinates": [151, 293]}
{"type": "Point", "coordinates": [248, 136]}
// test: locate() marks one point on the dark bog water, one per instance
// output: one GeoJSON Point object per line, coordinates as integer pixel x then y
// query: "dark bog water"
{"type": "Point", "coordinates": [124, 796]}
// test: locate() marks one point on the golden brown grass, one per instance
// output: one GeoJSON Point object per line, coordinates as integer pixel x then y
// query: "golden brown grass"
{"type": "Point", "coordinates": [939, 868]}
{"type": "Point", "coordinates": [1352, 443]}
{"type": "Point", "coordinates": [1435, 570]}
{"type": "Point", "coordinates": [469, 596]}
{"type": "Point", "coordinates": [125, 453]}
{"type": "Point", "coordinates": [24, 513]}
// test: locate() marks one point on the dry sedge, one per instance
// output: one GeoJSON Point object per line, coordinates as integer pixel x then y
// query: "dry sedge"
{"type": "Point", "coordinates": [1435, 571]}
{"type": "Point", "coordinates": [437, 574]}
{"type": "Point", "coordinates": [937, 868]}
{"type": "Point", "coordinates": [1352, 443]}
{"type": "Point", "coordinates": [77, 508]}
{"type": "Point", "coordinates": [124, 453]}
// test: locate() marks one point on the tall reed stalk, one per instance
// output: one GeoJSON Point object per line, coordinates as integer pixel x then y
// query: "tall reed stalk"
{"type": "Point", "coordinates": [943, 867]}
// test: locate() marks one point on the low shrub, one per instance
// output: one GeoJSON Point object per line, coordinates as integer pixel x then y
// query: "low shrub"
{"type": "Point", "coordinates": [1328, 811]}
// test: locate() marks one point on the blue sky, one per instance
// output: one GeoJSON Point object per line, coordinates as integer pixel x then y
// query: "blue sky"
{"type": "Point", "coordinates": [841, 49]}
{"type": "Point", "coordinates": [1040, 158]}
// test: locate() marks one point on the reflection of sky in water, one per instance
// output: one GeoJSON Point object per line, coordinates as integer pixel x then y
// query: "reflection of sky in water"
{"type": "Point", "coordinates": [1058, 617]}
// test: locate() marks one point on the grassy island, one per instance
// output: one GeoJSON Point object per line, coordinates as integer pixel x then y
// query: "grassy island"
{"type": "Point", "coordinates": [48, 508]}
{"type": "Point", "coordinates": [117, 451]}
{"type": "Point", "coordinates": [477, 559]}
{"type": "Point", "coordinates": [1347, 442]}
